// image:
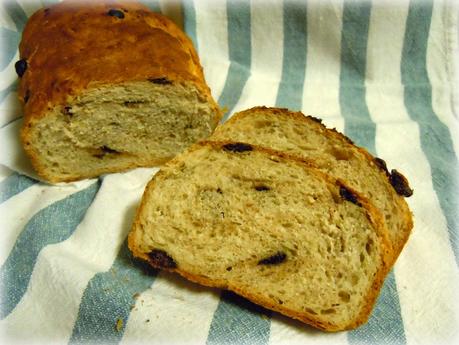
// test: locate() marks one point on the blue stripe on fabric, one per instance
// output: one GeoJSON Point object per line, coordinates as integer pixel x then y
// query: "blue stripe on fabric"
{"type": "Point", "coordinates": [239, 321]}
{"type": "Point", "coordinates": [14, 184]}
{"type": "Point", "coordinates": [436, 142]}
{"type": "Point", "coordinates": [108, 298]}
{"type": "Point", "coordinates": [51, 225]}
{"type": "Point", "coordinates": [189, 22]}
{"type": "Point", "coordinates": [16, 13]}
{"type": "Point", "coordinates": [5, 92]}
{"type": "Point", "coordinates": [290, 92]}
{"type": "Point", "coordinates": [239, 46]}
{"type": "Point", "coordinates": [358, 124]}
{"type": "Point", "coordinates": [385, 324]}
{"type": "Point", "coordinates": [9, 41]}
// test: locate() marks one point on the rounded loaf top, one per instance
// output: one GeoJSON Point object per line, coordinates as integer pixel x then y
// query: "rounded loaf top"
{"type": "Point", "coordinates": [72, 46]}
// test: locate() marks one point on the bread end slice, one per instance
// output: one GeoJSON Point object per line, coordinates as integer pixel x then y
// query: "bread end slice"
{"type": "Point", "coordinates": [106, 86]}
{"type": "Point", "coordinates": [268, 227]}
{"type": "Point", "coordinates": [111, 128]}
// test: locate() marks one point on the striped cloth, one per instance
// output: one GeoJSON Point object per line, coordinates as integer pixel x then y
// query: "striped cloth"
{"type": "Point", "coordinates": [383, 73]}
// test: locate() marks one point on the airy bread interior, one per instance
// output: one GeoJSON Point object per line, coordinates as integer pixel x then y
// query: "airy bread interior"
{"type": "Point", "coordinates": [115, 127]}
{"type": "Point", "coordinates": [267, 227]}
{"type": "Point", "coordinates": [329, 151]}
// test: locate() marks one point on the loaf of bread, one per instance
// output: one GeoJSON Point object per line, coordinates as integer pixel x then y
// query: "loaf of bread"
{"type": "Point", "coordinates": [107, 86]}
{"type": "Point", "coordinates": [268, 227]}
{"type": "Point", "coordinates": [331, 152]}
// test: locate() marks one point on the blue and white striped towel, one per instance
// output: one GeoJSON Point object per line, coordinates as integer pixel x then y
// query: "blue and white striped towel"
{"type": "Point", "coordinates": [384, 73]}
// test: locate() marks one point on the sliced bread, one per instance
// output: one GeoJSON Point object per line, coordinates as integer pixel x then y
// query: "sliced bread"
{"type": "Point", "coordinates": [331, 152]}
{"type": "Point", "coordinates": [107, 86]}
{"type": "Point", "coordinates": [268, 227]}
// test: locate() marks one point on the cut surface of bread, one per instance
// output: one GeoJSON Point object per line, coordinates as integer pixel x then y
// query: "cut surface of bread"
{"type": "Point", "coordinates": [331, 152]}
{"type": "Point", "coordinates": [107, 86]}
{"type": "Point", "coordinates": [268, 227]}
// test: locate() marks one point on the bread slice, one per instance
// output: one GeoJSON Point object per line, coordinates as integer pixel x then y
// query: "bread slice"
{"type": "Point", "coordinates": [331, 152]}
{"type": "Point", "coordinates": [107, 86]}
{"type": "Point", "coordinates": [268, 227]}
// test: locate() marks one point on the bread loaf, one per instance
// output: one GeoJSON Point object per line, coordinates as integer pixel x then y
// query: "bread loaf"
{"type": "Point", "coordinates": [107, 86]}
{"type": "Point", "coordinates": [268, 227]}
{"type": "Point", "coordinates": [331, 152]}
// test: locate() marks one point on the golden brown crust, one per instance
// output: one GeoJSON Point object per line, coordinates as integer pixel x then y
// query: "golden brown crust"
{"type": "Point", "coordinates": [373, 215]}
{"type": "Point", "coordinates": [73, 46]}
{"type": "Point", "coordinates": [385, 177]}
{"type": "Point", "coordinates": [69, 48]}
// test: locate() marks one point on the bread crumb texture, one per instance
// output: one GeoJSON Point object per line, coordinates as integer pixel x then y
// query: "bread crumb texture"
{"type": "Point", "coordinates": [267, 227]}
{"type": "Point", "coordinates": [332, 153]}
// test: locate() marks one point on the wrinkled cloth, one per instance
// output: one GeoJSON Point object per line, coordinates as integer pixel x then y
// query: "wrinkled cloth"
{"type": "Point", "coordinates": [385, 74]}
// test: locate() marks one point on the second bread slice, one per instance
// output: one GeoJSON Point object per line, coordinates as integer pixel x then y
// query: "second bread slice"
{"type": "Point", "coordinates": [332, 153]}
{"type": "Point", "coordinates": [268, 227]}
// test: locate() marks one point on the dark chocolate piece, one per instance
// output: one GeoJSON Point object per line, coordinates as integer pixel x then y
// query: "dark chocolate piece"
{"type": "Point", "coordinates": [116, 13]}
{"type": "Point", "coordinates": [400, 183]}
{"type": "Point", "coordinates": [161, 81]}
{"type": "Point", "coordinates": [133, 104]}
{"type": "Point", "coordinates": [68, 111]}
{"type": "Point", "coordinates": [316, 119]}
{"type": "Point", "coordinates": [349, 196]}
{"type": "Point", "coordinates": [382, 165]}
{"type": "Point", "coordinates": [161, 259]}
{"type": "Point", "coordinates": [237, 147]}
{"type": "Point", "coordinates": [20, 67]}
{"type": "Point", "coordinates": [275, 259]}
{"type": "Point", "coordinates": [262, 188]}
{"type": "Point", "coordinates": [107, 149]}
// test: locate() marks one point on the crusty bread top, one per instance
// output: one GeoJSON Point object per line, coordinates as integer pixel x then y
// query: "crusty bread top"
{"type": "Point", "coordinates": [71, 46]}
